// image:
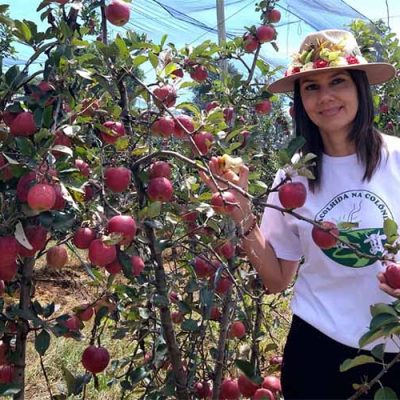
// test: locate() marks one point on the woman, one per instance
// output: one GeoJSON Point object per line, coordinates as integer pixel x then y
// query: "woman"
{"type": "Point", "coordinates": [357, 176]}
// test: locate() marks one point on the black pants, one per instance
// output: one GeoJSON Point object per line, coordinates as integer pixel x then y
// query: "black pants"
{"type": "Point", "coordinates": [310, 368]}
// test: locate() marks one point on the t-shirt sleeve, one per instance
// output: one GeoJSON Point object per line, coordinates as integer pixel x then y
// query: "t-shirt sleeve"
{"type": "Point", "coordinates": [280, 229]}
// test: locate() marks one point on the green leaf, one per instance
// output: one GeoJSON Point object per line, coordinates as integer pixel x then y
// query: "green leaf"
{"type": "Point", "coordinates": [138, 374]}
{"type": "Point", "coordinates": [42, 342]}
{"type": "Point", "coordinates": [295, 145]}
{"type": "Point", "coordinates": [283, 156]}
{"type": "Point", "coordinates": [390, 230]}
{"type": "Point", "coordinates": [370, 337]}
{"type": "Point", "coordinates": [22, 31]}
{"type": "Point", "coordinates": [9, 389]}
{"type": "Point", "coordinates": [153, 60]}
{"type": "Point", "coordinates": [382, 308]}
{"type": "Point", "coordinates": [123, 49]}
{"type": "Point", "coordinates": [139, 60]}
{"type": "Point", "coordinates": [380, 320]}
{"type": "Point", "coordinates": [25, 146]}
{"type": "Point", "coordinates": [163, 39]}
{"type": "Point", "coordinates": [190, 107]}
{"type": "Point", "coordinates": [190, 325]}
{"type": "Point", "coordinates": [378, 351]}
{"type": "Point", "coordinates": [356, 361]}
{"type": "Point", "coordinates": [11, 75]}
{"type": "Point", "coordinates": [385, 393]}
{"type": "Point", "coordinates": [249, 370]}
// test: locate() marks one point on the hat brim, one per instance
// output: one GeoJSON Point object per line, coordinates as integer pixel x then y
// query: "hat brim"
{"type": "Point", "coordinates": [376, 73]}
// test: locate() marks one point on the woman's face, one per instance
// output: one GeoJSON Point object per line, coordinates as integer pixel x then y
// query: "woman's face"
{"type": "Point", "coordinates": [330, 100]}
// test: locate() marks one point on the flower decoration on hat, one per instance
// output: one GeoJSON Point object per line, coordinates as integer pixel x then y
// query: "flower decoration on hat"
{"type": "Point", "coordinates": [325, 54]}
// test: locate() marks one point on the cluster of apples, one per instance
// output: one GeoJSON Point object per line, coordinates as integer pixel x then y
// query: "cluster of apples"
{"type": "Point", "coordinates": [242, 387]}
{"type": "Point", "coordinates": [263, 33]}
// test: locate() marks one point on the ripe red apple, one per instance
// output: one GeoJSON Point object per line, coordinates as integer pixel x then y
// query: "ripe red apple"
{"type": "Point", "coordinates": [202, 390]}
{"type": "Point", "coordinates": [224, 203]}
{"type": "Point", "coordinates": [210, 106]}
{"type": "Point", "coordinates": [190, 216]}
{"type": "Point", "coordinates": [263, 394]}
{"type": "Point", "coordinates": [324, 239]}
{"type": "Point", "coordinates": [8, 117]}
{"type": "Point", "coordinates": [176, 317]}
{"type": "Point", "coordinates": [215, 313]}
{"type": "Point", "coordinates": [164, 126]}
{"type": "Point", "coordinates": [160, 189]}
{"type": "Point", "coordinates": [8, 250]}
{"type": "Point", "coordinates": [228, 114]}
{"type": "Point", "coordinates": [41, 197]}
{"type": "Point", "coordinates": [114, 268]}
{"type": "Point", "coordinates": [8, 272]}
{"type": "Point", "coordinates": [101, 254]}
{"type": "Point", "coordinates": [6, 172]}
{"type": "Point", "coordinates": [263, 107]}
{"type": "Point", "coordinates": [178, 73]}
{"type": "Point", "coordinates": [42, 88]}
{"type": "Point", "coordinates": [125, 225]}
{"type": "Point", "coordinates": [392, 275]}
{"type": "Point", "coordinates": [166, 95]}
{"type": "Point", "coordinates": [57, 257]}
{"type": "Point", "coordinates": [226, 249]}
{"type": "Point", "coordinates": [250, 43]}
{"type": "Point", "coordinates": [202, 267]}
{"type": "Point", "coordinates": [85, 312]}
{"type": "Point", "coordinates": [223, 285]}
{"type": "Point", "coordinates": [276, 360]}
{"type": "Point", "coordinates": [112, 131]}
{"type": "Point", "coordinates": [230, 389]}
{"type": "Point", "coordinates": [82, 166]}
{"type": "Point", "coordinates": [73, 323]}
{"type": "Point", "coordinates": [24, 184]}
{"type": "Point", "coordinates": [89, 192]}
{"type": "Point", "coordinates": [60, 202]}
{"type": "Point", "coordinates": [7, 373]}
{"type": "Point", "coordinates": [204, 141]}
{"type": "Point", "coordinates": [4, 348]}
{"type": "Point", "coordinates": [37, 237]}
{"type": "Point", "coordinates": [23, 124]}
{"type": "Point", "coordinates": [273, 15]}
{"type": "Point", "coordinates": [137, 265]}
{"type": "Point", "coordinates": [292, 195]}
{"type": "Point", "coordinates": [265, 33]}
{"type": "Point", "coordinates": [118, 12]}
{"type": "Point", "coordinates": [246, 386]}
{"type": "Point", "coordinates": [83, 236]}
{"type": "Point", "coordinates": [272, 383]}
{"type": "Point", "coordinates": [187, 123]}
{"type": "Point", "coordinates": [61, 139]}
{"type": "Point", "coordinates": [237, 330]}
{"type": "Point", "coordinates": [95, 359]}
{"type": "Point", "coordinates": [117, 179]}
{"type": "Point", "coordinates": [384, 108]}
{"type": "Point", "coordinates": [199, 73]}
{"type": "Point", "coordinates": [160, 169]}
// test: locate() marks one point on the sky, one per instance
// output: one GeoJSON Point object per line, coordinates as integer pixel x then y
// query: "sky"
{"type": "Point", "coordinates": [290, 35]}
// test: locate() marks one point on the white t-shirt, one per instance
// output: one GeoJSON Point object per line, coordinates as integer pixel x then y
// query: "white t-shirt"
{"type": "Point", "coordinates": [335, 288]}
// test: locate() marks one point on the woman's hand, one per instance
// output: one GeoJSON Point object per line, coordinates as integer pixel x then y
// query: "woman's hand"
{"type": "Point", "coordinates": [383, 285]}
{"type": "Point", "coordinates": [242, 180]}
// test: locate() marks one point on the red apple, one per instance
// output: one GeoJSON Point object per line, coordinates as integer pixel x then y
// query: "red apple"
{"type": "Point", "coordinates": [272, 383]}
{"type": "Point", "coordinates": [265, 33]}
{"type": "Point", "coordinates": [237, 330]}
{"type": "Point", "coordinates": [250, 43]}
{"type": "Point", "coordinates": [118, 12]}
{"type": "Point", "coordinates": [292, 195]}
{"type": "Point", "coordinates": [41, 197]}
{"type": "Point", "coordinates": [202, 267]}
{"type": "Point", "coordinates": [85, 312]}
{"type": "Point", "coordinates": [164, 126]}
{"type": "Point", "coordinates": [4, 348]}
{"type": "Point", "coordinates": [117, 179]}
{"type": "Point", "coordinates": [176, 317]}
{"type": "Point", "coordinates": [263, 107]}
{"type": "Point", "coordinates": [6, 172]}
{"type": "Point", "coordinates": [8, 272]}
{"type": "Point", "coordinates": [95, 359]}
{"type": "Point", "coordinates": [384, 108]}
{"type": "Point", "coordinates": [199, 73]}
{"type": "Point", "coordinates": [324, 239]}
{"type": "Point", "coordinates": [57, 257]}
{"type": "Point", "coordinates": [178, 73]}
{"type": "Point", "coordinates": [7, 373]}
{"type": "Point", "coordinates": [73, 323]}
{"type": "Point", "coordinates": [60, 202]}
{"type": "Point", "coordinates": [246, 386]}
{"type": "Point", "coordinates": [23, 124]}
{"type": "Point", "coordinates": [137, 265]}
{"type": "Point", "coordinates": [229, 389]}
{"type": "Point", "coordinates": [160, 169]}
{"type": "Point", "coordinates": [263, 394]}
{"type": "Point", "coordinates": [101, 254]}
{"type": "Point", "coordinates": [210, 106]}
{"type": "Point", "coordinates": [187, 123]}
{"type": "Point", "coordinates": [83, 167]}
{"type": "Point", "coordinates": [228, 114]}
{"type": "Point", "coordinates": [273, 15]}
{"type": "Point", "coordinates": [114, 268]}
{"type": "Point", "coordinates": [223, 285]}
{"type": "Point", "coordinates": [203, 141]}
{"type": "Point", "coordinates": [166, 95]}
{"type": "Point", "coordinates": [8, 117]}
{"type": "Point", "coordinates": [8, 250]}
{"type": "Point", "coordinates": [160, 189]}
{"type": "Point", "coordinates": [392, 275]}
{"type": "Point", "coordinates": [24, 184]}
{"type": "Point", "coordinates": [83, 237]}
{"type": "Point", "coordinates": [276, 360]}
{"type": "Point", "coordinates": [224, 203]}
{"type": "Point", "coordinates": [112, 131]}
{"type": "Point", "coordinates": [226, 249]}
{"type": "Point", "coordinates": [202, 390]}
{"type": "Point", "coordinates": [215, 313]}
{"type": "Point", "coordinates": [125, 225]}
{"type": "Point", "coordinates": [61, 139]}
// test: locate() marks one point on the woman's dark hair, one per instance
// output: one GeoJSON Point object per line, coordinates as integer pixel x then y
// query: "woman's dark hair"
{"type": "Point", "coordinates": [367, 139]}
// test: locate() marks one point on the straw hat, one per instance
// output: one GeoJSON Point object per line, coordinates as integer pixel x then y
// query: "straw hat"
{"type": "Point", "coordinates": [329, 50]}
